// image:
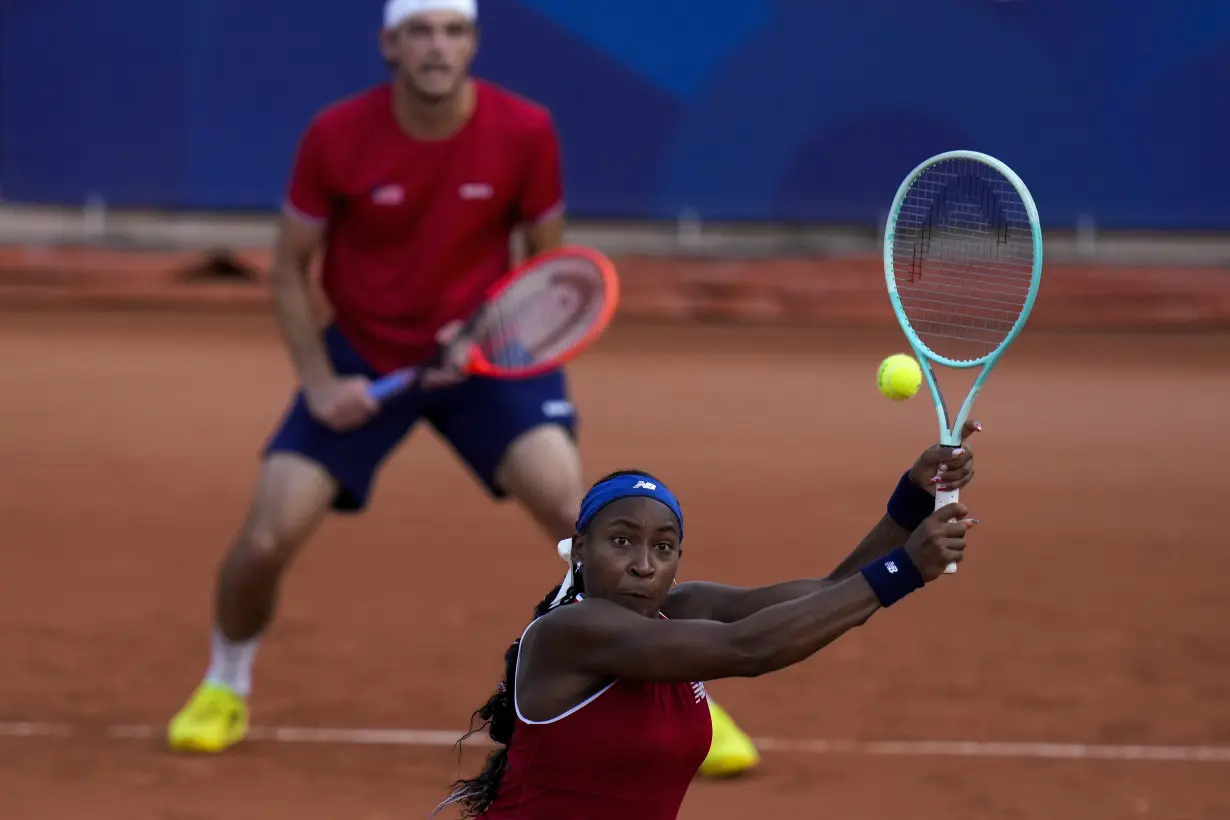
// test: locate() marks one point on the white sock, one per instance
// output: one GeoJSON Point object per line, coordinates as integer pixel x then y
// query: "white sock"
{"type": "Point", "coordinates": [230, 663]}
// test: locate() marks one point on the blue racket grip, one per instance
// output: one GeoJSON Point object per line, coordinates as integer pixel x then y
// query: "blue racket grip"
{"type": "Point", "coordinates": [393, 383]}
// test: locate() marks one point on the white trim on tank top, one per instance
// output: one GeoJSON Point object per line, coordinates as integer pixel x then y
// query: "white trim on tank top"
{"type": "Point", "coordinates": [557, 718]}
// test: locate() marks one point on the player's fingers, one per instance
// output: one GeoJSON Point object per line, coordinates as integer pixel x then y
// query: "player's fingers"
{"type": "Point", "coordinates": [338, 422]}
{"type": "Point", "coordinates": [956, 465]}
{"type": "Point", "coordinates": [954, 479]}
{"type": "Point", "coordinates": [357, 409]}
{"type": "Point", "coordinates": [956, 458]}
{"type": "Point", "coordinates": [969, 428]}
{"type": "Point", "coordinates": [457, 346]}
{"type": "Point", "coordinates": [939, 455]}
{"type": "Point", "coordinates": [449, 333]}
{"type": "Point", "coordinates": [459, 354]}
{"type": "Point", "coordinates": [356, 399]}
{"type": "Point", "coordinates": [355, 416]}
{"type": "Point", "coordinates": [953, 529]}
{"type": "Point", "coordinates": [955, 544]}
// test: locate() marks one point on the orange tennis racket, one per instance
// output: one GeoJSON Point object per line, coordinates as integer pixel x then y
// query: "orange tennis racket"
{"type": "Point", "coordinates": [539, 316]}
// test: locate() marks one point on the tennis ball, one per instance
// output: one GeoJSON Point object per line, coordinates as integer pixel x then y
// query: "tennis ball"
{"type": "Point", "coordinates": [899, 377]}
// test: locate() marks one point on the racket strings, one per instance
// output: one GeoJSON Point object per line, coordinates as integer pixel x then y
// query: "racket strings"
{"type": "Point", "coordinates": [963, 257]}
{"type": "Point", "coordinates": [498, 340]}
{"type": "Point", "coordinates": [543, 315]}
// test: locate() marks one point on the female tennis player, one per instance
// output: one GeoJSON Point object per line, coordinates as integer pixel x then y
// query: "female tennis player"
{"type": "Point", "coordinates": [602, 712]}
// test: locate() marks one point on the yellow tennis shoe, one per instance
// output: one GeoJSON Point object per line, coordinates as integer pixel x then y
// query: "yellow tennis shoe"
{"type": "Point", "coordinates": [213, 719]}
{"type": "Point", "coordinates": [732, 752]}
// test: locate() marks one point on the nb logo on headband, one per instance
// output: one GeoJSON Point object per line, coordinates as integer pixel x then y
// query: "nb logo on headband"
{"type": "Point", "coordinates": [644, 484]}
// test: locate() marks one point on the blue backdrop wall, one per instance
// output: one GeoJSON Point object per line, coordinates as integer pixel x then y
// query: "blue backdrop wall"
{"type": "Point", "coordinates": [740, 109]}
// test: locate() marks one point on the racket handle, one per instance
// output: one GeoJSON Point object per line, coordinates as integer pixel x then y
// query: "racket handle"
{"type": "Point", "coordinates": [944, 498]}
{"type": "Point", "coordinates": [393, 383]}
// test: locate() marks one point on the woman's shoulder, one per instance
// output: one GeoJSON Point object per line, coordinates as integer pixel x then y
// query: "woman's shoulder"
{"type": "Point", "coordinates": [582, 619]}
{"type": "Point", "coordinates": [581, 610]}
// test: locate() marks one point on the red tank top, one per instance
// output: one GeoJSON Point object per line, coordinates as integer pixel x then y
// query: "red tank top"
{"type": "Point", "coordinates": [628, 752]}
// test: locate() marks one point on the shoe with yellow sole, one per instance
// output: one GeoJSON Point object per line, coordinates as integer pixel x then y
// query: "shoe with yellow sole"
{"type": "Point", "coordinates": [732, 752]}
{"type": "Point", "coordinates": [214, 719]}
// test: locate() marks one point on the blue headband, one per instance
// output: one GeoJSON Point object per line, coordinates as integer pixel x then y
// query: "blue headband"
{"type": "Point", "coordinates": [626, 486]}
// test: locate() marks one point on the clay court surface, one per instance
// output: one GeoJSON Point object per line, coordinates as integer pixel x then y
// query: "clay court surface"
{"type": "Point", "coordinates": [1092, 608]}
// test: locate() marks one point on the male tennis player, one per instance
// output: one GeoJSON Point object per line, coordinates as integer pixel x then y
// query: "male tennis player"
{"type": "Point", "coordinates": [414, 190]}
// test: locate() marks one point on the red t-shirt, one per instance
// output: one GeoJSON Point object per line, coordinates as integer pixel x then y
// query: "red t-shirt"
{"type": "Point", "coordinates": [628, 752]}
{"type": "Point", "coordinates": [417, 231]}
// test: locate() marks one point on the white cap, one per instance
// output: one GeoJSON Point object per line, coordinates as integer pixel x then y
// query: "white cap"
{"type": "Point", "coordinates": [397, 12]}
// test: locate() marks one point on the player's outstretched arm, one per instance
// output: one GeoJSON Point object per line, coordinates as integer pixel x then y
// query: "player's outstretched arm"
{"type": "Point", "coordinates": [912, 500]}
{"type": "Point", "coordinates": [601, 638]}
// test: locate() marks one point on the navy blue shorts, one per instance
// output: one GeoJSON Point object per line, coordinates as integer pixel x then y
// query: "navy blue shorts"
{"type": "Point", "coordinates": [479, 418]}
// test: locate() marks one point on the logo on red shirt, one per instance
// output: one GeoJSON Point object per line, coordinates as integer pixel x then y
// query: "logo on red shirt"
{"type": "Point", "coordinates": [388, 195]}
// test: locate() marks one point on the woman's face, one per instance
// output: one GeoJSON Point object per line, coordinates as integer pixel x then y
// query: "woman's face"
{"type": "Point", "coordinates": [630, 554]}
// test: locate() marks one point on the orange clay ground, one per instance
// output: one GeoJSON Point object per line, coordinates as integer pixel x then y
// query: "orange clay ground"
{"type": "Point", "coordinates": [1092, 609]}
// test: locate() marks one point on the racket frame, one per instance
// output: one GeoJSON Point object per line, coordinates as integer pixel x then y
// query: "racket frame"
{"type": "Point", "coordinates": [477, 364]}
{"type": "Point", "coordinates": [950, 434]}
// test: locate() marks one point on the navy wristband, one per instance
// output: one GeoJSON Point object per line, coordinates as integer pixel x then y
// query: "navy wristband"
{"type": "Point", "coordinates": [910, 505]}
{"type": "Point", "coordinates": [893, 577]}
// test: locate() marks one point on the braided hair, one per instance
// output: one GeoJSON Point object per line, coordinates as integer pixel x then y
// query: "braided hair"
{"type": "Point", "coordinates": [499, 714]}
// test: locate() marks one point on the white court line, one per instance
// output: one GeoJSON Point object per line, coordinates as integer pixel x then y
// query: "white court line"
{"type": "Point", "coordinates": [895, 748]}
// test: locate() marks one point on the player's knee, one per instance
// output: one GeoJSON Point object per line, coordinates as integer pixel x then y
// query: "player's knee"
{"type": "Point", "coordinates": [263, 545]}
{"type": "Point", "coordinates": [267, 541]}
{"type": "Point", "coordinates": [292, 497]}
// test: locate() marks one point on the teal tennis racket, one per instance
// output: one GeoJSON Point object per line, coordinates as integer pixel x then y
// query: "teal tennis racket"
{"type": "Point", "coordinates": [963, 262]}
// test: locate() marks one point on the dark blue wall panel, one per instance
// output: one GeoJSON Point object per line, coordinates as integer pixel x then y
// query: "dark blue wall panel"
{"type": "Point", "coordinates": [740, 109]}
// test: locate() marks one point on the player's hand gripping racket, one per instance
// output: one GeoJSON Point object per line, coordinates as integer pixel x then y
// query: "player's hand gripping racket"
{"type": "Point", "coordinates": [538, 317]}
{"type": "Point", "coordinates": [963, 262]}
